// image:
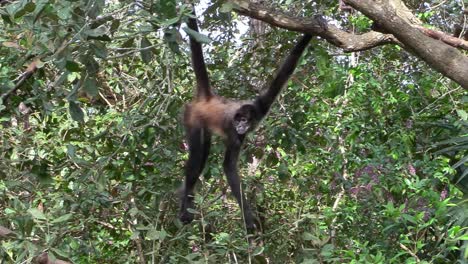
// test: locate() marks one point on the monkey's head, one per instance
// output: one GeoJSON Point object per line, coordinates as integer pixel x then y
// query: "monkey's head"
{"type": "Point", "coordinates": [244, 119]}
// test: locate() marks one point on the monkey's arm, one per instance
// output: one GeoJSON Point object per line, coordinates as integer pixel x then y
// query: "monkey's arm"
{"type": "Point", "coordinates": [264, 101]}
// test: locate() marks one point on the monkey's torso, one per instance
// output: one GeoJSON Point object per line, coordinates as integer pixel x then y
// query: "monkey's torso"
{"type": "Point", "coordinates": [213, 113]}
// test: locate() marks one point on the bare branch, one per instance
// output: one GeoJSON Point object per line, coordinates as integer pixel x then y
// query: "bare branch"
{"type": "Point", "coordinates": [342, 39]}
{"type": "Point", "coordinates": [393, 17]}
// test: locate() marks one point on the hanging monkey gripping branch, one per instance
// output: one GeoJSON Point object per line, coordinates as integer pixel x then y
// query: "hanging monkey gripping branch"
{"type": "Point", "coordinates": [231, 119]}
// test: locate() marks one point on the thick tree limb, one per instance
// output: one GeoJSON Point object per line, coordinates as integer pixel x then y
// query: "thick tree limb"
{"type": "Point", "coordinates": [446, 59]}
{"type": "Point", "coordinates": [334, 35]}
{"type": "Point", "coordinates": [451, 40]}
{"type": "Point", "coordinates": [392, 16]}
{"type": "Point", "coordinates": [405, 13]}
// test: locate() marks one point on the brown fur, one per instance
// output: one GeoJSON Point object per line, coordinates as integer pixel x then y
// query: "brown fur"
{"type": "Point", "coordinates": [210, 113]}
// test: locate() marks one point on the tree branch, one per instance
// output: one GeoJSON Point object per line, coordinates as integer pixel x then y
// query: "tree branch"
{"type": "Point", "coordinates": [342, 39]}
{"type": "Point", "coordinates": [451, 40]}
{"type": "Point", "coordinates": [32, 67]}
{"type": "Point", "coordinates": [393, 17]}
{"type": "Point", "coordinates": [446, 59]}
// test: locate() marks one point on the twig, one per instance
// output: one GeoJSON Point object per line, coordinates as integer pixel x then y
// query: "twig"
{"type": "Point", "coordinates": [105, 100]}
{"type": "Point", "coordinates": [32, 67]}
{"type": "Point", "coordinates": [410, 252]}
{"type": "Point", "coordinates": [438, 98]}
{"type": "Point", "coordinates": [132, 51]}
{"type": "Point", "coordinates": [437, 5]}
{"type": "Point", "coordinates": [139, 247]}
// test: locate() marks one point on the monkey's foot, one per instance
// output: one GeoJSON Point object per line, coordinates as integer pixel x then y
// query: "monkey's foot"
{"type": "Point", "coordinates": [186, 217]}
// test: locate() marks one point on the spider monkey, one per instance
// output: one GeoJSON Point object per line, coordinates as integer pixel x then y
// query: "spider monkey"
{"type": "Point", "coordinates": [232, 120]}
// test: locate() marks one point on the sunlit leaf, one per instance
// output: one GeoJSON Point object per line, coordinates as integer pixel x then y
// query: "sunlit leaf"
{"type": "Point", "coordinates": [170, 21]}
{"type": "Point", "coordinates": [197, 36]}
{"type": "Point", "coordinates": [226, 7]}
{"type": "Point", "coordinates": [36, 214]}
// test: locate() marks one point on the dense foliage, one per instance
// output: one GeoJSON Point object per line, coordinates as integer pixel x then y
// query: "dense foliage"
{"type": "Point", "coordinates": [362, 159]}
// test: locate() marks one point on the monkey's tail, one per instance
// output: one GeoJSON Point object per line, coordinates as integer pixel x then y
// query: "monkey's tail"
{"type": "Point", "coordinates": [198, 62]}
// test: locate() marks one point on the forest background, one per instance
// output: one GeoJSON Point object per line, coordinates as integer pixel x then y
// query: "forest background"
{"type": "Point", "coordinates": [361, 160]}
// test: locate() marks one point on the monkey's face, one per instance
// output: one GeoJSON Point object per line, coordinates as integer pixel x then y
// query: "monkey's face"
{"type": "Point", "coordinates": [244, 119]}
{"type": "Point", "coordinates": [241, 124]}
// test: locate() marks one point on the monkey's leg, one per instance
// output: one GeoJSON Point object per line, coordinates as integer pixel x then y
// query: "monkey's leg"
{"type": "Point", "coordinates": [230, 168]}
{"type": "Point", "coordinates": [205, 149]}
{"type": "Point", "coordinates": [199, 146]}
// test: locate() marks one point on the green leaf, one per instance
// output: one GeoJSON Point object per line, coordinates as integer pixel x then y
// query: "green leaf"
{"type": "Point", "coordinates": [146, 52]}
{"type": "Point", "coordinates": [62, 218]}
{"type": "Point", "coordinates": [197, 36]}
{"type": "Point", "coordinates": [92, 66]}
{"type": "Point", "coordinates": [327, 250]}
{"type": "Point", "coordinates": [90, 86]}
{"type": "Point", "coordinates": [260, 259]}
{"type": "Point", "coordinates": [96, 8]}
{"type": "Point", "coordinates": [104, 37]}
{"type": "Point", "coordinates": [309, 237]}
{"type": "Point", "coordinates": [135, 235]}
{"type": "Point", "coordinates": [167, 7]}
{"type": "Point", "coordinates": [462, 114]}
{"type": "Point", "coordinates": [129, 43]}
{"type": "Point", "coordinates": [283, 172]}
{"type": "Point", "coordinates": [59, 252]}
{"type": "Point", "coordinates": [72, 66]}
{"type": "Point", "coordinates": [154, 234]}
{"type": "Point", "coordinates": [96, 32]}
{"type": "Point", "coordinates": [460, 162]}
{"type": "Point", "coordinates": [409, 218]}
{"type": "Point", "coordinates": [171, 21]}
{"type": "Point", "coordinates": [226, 7]}
{"type": "Point", "coordinates": [76, 112]}
{"type": "Point", "coordinates": [7, 19]}
{"type": "Point", "coordinates": [115, 25]}
{"type": "Point", "coordinates": [192, 211]}
{"type": "Point", "coordinates": [272, 159]}
{"type": "Point", "coordinates": [170, 36]}
{"type": "Point", "coordinates": [36, 214]}
{"type": "Point", "coordinates": [71, 150]}
{"type": "Point", "coordinates": [2, 106]}
{"type": "Point", "coordinates": [28, 8]}
{"type": "Point", "coordinates": [258, 251]}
